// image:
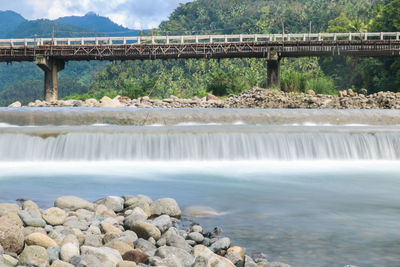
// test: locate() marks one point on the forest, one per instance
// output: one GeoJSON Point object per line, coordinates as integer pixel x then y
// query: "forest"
{"type": "Point", "coordinates": [187, 78]}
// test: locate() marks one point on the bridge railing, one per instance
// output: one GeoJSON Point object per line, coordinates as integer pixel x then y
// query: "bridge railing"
{"type": "Point", "coordinates": [194, 39]}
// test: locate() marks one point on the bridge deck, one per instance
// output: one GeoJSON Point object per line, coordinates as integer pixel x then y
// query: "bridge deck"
{"type": "Point", "coordinates": [205, 46]}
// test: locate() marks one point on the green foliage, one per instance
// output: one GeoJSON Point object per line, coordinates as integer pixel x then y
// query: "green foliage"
{"type": "Point", "coordinates": [321, 85]}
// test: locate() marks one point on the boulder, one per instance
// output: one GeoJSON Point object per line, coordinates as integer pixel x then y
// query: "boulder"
{"type": "Point", "coordinates": [239, 250]}
{"type": "Point", "coordinates": [58, 263]}
{"type": "Point", "coordinates": [212, 259]}
{"type": "Point", "coordinates": [185, 258]}
{"type": "Point", "coordinates": [34, 256]}
{"type": "Point", "coordinates": [54, 216]}
{"type": "Point", "coordinates": [126, 264]}
{"type": "Point", "coordinates": [31, 220]}
{"type": "Point", "coordinates": [221, 244]}
{"type": "Point", "coordinates": [163, 223]}
{"type": "Point", "coordinates": [53, 253]}
{"type": "Point", "coordinates": [8, 261]}
{"type": "Point", "coordinates": [104, 211]}
{"type": "Point", "coordinates": [73, 203]}
{"type": "Point", "coordinates": [114, 203]}
{"type": "Point", "coordinates": [146, 230]}
{"type": "Point", "coordinates": [197, 228]}
{"type": "Point", "coordinates": [38, 239]}
{"type": "Point", "coordinates": [144, 245]}
{"type": "Point", "coordinates": [108, 228]}
{"type": "Point", "coordinates": [14, 217]}
{"type": "Point", "coordinates": [32, 208]}
{"type": "Point", "coordinates": [136, 256]}
{"type": "Point", "coordinates": [8, 208]}
{"type": "Point", "coordinates": [11, 236]}
{"type": "Point", "coordinates": [16, 104]}
{"type": "Point", "coordinates": [68, 251]}
{"type": "Point", "coordinates": [91, 261]}
{"type": "Point", "coordinates": [175, 240]}
{"type": "Point", "coordinates": [104, 254]}
{"type": "Point", "coordinates": [167, 206]}
{"type": "Point", "coordinates": [93, 240]}
{"type": "Point", "coordinates": [195, 236]}
{"type": "Point", "coordinates": [120, 246]}
{"type": "Point", "coordinates": [70, 238]}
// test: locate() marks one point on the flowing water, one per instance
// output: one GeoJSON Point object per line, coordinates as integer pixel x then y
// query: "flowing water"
{"type": "Point", "coordinates": [306, 187]}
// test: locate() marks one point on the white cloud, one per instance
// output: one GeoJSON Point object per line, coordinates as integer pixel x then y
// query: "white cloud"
{"type": "Point", "coordinates": [139, 14]}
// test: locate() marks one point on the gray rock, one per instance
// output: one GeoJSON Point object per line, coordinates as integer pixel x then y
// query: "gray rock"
{"type": "Point", "coordinates": [29, 220]}
{"type": "Point", "coordinates": [73, 203]}
{"type": "Point", "coordinates": [53, 253]}
{"type": "Point", "coordinates": [131, 219]}
{"type": "Point", "coordinates": [161, 242]}
{"type": "Point", "coordinates": [11, 236]}
{"type": "Point", "coordinates": [144, 245]}
{"type": "Point", "coordinates": [126, 264]}
{"type": "Point", "coordinates": [185, 258]}
{"type": "Point", "coordinates": [163, 223]}
{"type": "Point", "coordinates": [248, 262]}
{"type": "Point", "coordinates": [93, 240]}
{"type": "Point", "coordinates": [32, 208]}
{"type": "Point", "coordinates": [8, 261]}
{"type": "Point", "coordinates": [34, 256]}
{"type": "Point", "coordinates": [175, 240]}
{"type": "Point", "coordinates": [191, 243]}
{"type": "Point", "coordinates": [129, 236]}
{"type": "Point", "coordinates": [200, 261]}
{"type": "Point", "coordinates": [196, 236]}
{"type": "Point", "coordinates": [58, 263]}
{"type": "Point", "coordinates": [89, 261]}
{"type": "Point", "coordinates": [235, 258]}
{"type": "Point", "coordinates": [207, 242]}
{"type": "Point", "coordinates": [146, 230]}
{"type": "Point", "coordinates": [197, 228]}
{"type": "Point", "coordinates": [108, 256]}
{"type": "Point", "coordinates": [1, 250]}
{"type": "Point", "coordinates": [68, 251]}
{"type": "Point", "coordinates": [114, 203]}
{"type": "Point", "coordinates": [221, 244]}
{"type": "Point", "coordinates": [167, 206]}
{"type": "Point", "coordinates": [75, 223]}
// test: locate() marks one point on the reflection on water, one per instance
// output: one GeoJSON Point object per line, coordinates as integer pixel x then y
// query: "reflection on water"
{"type": "Point", "coordinates": [310, 213]}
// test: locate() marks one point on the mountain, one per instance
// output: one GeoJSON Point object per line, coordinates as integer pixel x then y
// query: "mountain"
{"type": "Point", "coordinates": [43, 28]}
{"type": "Point", "coordinates": [99, 24]}
{"type": "Point", "coordinates": [9, 20]}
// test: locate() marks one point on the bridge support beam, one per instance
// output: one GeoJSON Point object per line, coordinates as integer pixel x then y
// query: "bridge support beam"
{"type": "Point", "coordinates": [51, 67]}
{"type": "Point", "coordinates": [273, 72]}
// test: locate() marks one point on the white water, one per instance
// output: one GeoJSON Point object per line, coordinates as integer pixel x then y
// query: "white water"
{"type": "Point", "coordinates": [195, 145]}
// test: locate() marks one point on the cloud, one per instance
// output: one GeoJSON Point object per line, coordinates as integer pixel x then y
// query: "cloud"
{"type": "Point", "coordinates": [138, 14]}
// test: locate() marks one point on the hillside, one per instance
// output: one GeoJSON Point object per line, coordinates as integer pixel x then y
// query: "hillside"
{"type": "Point", "coordinates": [9, 20]}
{"type": "Point", "coordinates": [99, 24]}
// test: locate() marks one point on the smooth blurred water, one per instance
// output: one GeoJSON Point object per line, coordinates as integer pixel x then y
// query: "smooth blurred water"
{"type": "Point", "coordinates": [305, 213]}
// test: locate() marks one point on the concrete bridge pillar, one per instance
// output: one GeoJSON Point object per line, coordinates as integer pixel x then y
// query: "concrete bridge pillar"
{"type": "Point", "coordinates": [273, 72]}
{"type": "Point", "coordinates": [51, 67]}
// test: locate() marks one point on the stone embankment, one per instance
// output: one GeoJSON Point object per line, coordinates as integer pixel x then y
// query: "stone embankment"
{"type": "Point", "coordinates": [255, 98]}
{"type": "Point", "coordinates": [114, 231]}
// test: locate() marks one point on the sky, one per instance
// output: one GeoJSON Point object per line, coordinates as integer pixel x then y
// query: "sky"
{"type": "Point", "coordinates": [134, 14]}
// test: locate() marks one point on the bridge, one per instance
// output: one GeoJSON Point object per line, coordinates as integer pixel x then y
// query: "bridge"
{"type": "Point", "coordinates": [50, 54]}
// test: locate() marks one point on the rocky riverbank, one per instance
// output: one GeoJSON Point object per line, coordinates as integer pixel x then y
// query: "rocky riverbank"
{"type": "Point", "coordinates": [123, 231]}
{"type": "Point", "coordinates": [255, 98]}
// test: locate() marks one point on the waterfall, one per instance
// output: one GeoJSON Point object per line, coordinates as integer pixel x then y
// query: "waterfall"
{"type": "Point", "coordinates": [179, 146]}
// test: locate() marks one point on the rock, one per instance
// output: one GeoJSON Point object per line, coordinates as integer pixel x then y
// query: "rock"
{"type": "Point", "coordinates": [114, 203]}
{"type": "Point", "coordinates": [34, 256]}
{"type": "Point", "coordinates": [211, 97]}
{"type": "Point", "coordinates": [239, 250]}
{"type": "Point", "coordinates": [68, 251]}
{"type": "Point", "coordinates": [146, 230]}
{"type": "Point", "coordinates": [248, 262]}
{"type": "Point", "coordinates": [104, 211]}
{"type": "Point", "coordinates": [8, 208]}
{"type": "Point", "coordinates": [175, 240]}
{"type": "Point", "coordinates": [14, 217]}
{"type": "Point", "coordinates": [144, 245]}
{"type": "Point", "coordinates": [200, 211]}
{"type": "Point", "coordinates": [70, 238]}
{"type": "Point", "coordinates": [8, 261]}
{"type": "Point", "coordinates": [120, 246]}
{"type": "Point", "coordinates": [16, 104]}
{"type": "Point", "coordinates": [134, 217]}
{"type": "Point", "coordinates": [197, 228]}
{"type": "Point", "coordinates": [104, 254]}
{"type": "Point", "coordinates": [310, 92]}
{"type": "Point", "coordinates": [129, 236]}
{"type": "Point", "coordinates": [73, 203]}
{"type": "Point", "coordinates": [53, 253]}
{"type": "Point", "coordinates": [108, 228]}
{"type": "Point", "coordinates": [167, 206]}
{"type": "Point", "coordinates": [58, 263]}
{"type": "Point", "coordinates": [54, 216]}
{"type": "Point", "coordinates": [161, 242]}
{"type": "Point", "coordinates": [75, 223]}
{"type": "Point", "coordinates": [92, 240]}
{"type": "Point", "coordinates": [195, 236]}
{"type": "Point", "coordinates": [30, 230]}
{"type": "Point", "coordinates": [163, 223]}
{"type": "Point", "coordinates": [11, 236]}
{"type": "Point", "coordinates": [38, 239]}
{"type": "Point", "coordinates": [29, 220]}
{"type": "Point", "coordinates": [1, 250]}
{"type": "Point", "coordinates": [212, 259]}
{"type": "Point", "coordinates": [235, 258]}
{"type": "Point", "coordinates": [91, 261]}
{"type": "Point", "coordinates": [184, 257]}
{"type": "Point", "coordinates": [136, 256]}
{"type": "Point", "coordinates": [126, 264]}
{"type": "Point", "coordinates": [221, 244]}
{"type": "Point", "coordinates": [107, 102]}
{"type": "Point", "coordinates": [200, 262]}
{"type": "Point", "coordinates": [32, 208]}
{"type": "Point", "coordinates": [110, 236]}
